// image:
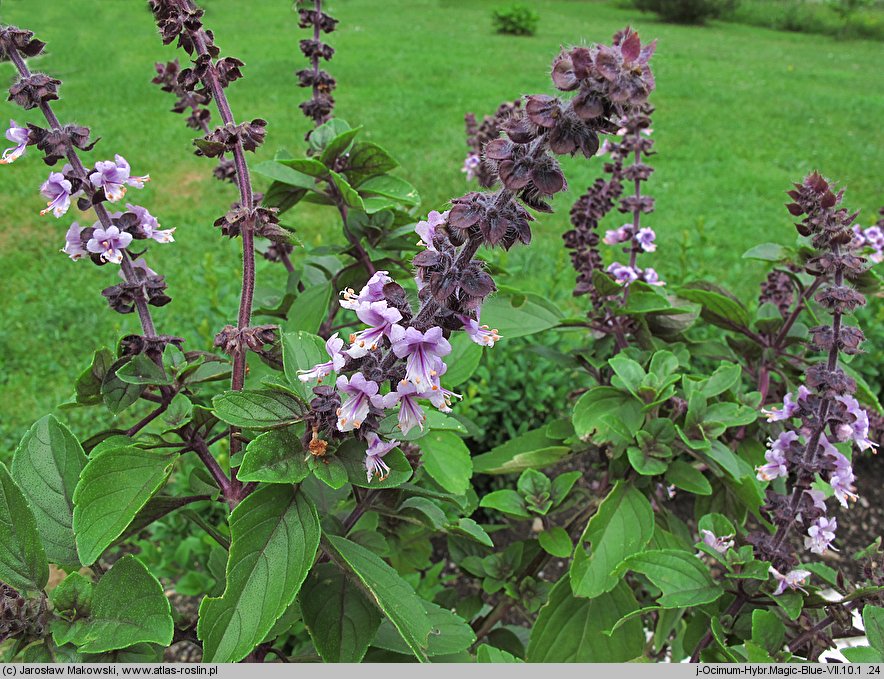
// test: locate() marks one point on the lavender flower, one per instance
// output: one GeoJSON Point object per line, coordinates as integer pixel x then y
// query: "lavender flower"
{"type": "Point", "coordinates": [18, 136]}
{"type": "Point", "coordinates": [624, 275]}
{"type": "Point", "coordinates": [480, 334]}
{"type": "Point", "coordinates": [411, 415]}
{"type": "Point", "coordinates": [150, 226]}
{"type": "Point", "coordinates": [374, 462]}
{"type": "Point", "coordinates": [651, 277]}
{"type": "Point", "coordinates": [114, 176]}
{"type": "Point", "coordinates": [373, 291]}
{"type": "Point", "coordinates": [619, 235]}
{"type": "Point", "coordinates": [427, 229]}
{"type": "Point", "coordinates": [353, 411]}
{"type": "Point", "coordinates": [841, 477]}
{"type": "Point", "coordinates": [791, 580]}
{"type": "Point", "coordinates": [73, 242]}
{"type": "Point", "coordinates": [858, 429]}
{"type": "Point", "coordinates": [333, 346]}
{"type": "Point", "coordinates": [776, 457]}
{"type": "Point", "coordinates": [380, 319]}
{"type": "Point", "coordinates": [58, 190]}
{"type": "Point", "coordinates": [645, 239]}
{"type": "Point", "coordinates": [820, 535]}
{"type": "Point", "coordinates": [871, 238]}
{"type": "Point", "coordinates": [471, 165]}
{"type": "Point", "coordinates": [719, 544]}
{"type": "Point", "coordinates": [109, 243]}
{"type": "Point", "coordinates": [790, 407]}
{"type": "Point", "coordinates": [422, 349]}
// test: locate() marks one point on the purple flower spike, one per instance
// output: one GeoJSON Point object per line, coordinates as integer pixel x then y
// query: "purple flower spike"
{"type": "Point", "coordinates": [114, 176]}
{"type": "Point", "coordinates": [841, 479]}
{"type": "Point", "coordinates": [411, 415]}
{"type": "Point", "coordinates": [776, 457]}
{"type": "Point", "coordinates": [375, 466]}
{"type": "Point", "coordinates": [471, 165]}
{"type": "Point", "coordinates": [427, 229]}
{"type": "Point", "coordinates": [150, 225]}
{"type": "Point", "coordinates": [18, 136]}
{"type": "Point", "coordinates": [719, 544]}
{"type": "Point", "coordinates": [480, 334]}
{"type": "Point", "coordinates": [372, 292]}
{"type": "Point", "coordinates": [333, 346]}
{"type": "Point", "coordinates": [58, 190]}
{"type": "Point", "coordinates": [820, 535]}
{"type": "Point", "coordinates": [792, 580]}
{"type": "Point", "coordinates": [645, 238]}
{"type": "Point", "coordinates": [380, 319]}
{"type": "Point", "coordinates": [353, 412]}
{"type": "Point", "coordinates": [109, 243]}
{"type": "Point", "coordinates": [73, 244]}
{"type": "Point", "coordinates": [422, 349]}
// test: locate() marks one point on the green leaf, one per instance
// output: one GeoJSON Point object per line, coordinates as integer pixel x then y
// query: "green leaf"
{"type": "Point", "coordinates": [368, 160]}
{"type": "Point", "coordinates": [726, 375]}
{"type": "Point", "coordinates": [117, 394]}
{"type": "Point", "coordinates": [719, 308]}
{"type": "Point", "coordinates": [46, 466]}
{"type": "Point", "coordinates": [622, 526]}
{"type": "Point", "coordinates": [517, 314]}
{"type": "Point", "coordinates": [506, 501]}
{"type": "Point", "coordinates": [285, 174]}
{"type": "Point", "coordinates": [682, 475]}
{"type": "Point", "coordinates": [393, 595]}
{"type": "Point", "coordinates": [768, 630]}
{"type": "Point", "coordinates": [274, 535]}
{"type": "Point", "coordinates": [308, 166]}
{"type": "Point", "coordinates": [391, 187]}
{"type": "Point", "coordinates": [257, 409]}
{"type": "Point", "coordinates": [490, 654]}
{"type": "Point", "coordinates": [340, 619]}
{"type": "Point", "coordinates": [447, 459]}
{"type": "Point", "coordinates": [276, 456]}
{"type": "Point", "coordinates": [282, 196]}
{"type": "Point", "coordinates": [301, 351]}
{"type": "Point", "coordinates": [556, 542]}
{"type": "Point", "coordinates": [352, 454]}
{"type": "Point", "coordinates": [348, 194]}
{"type": "Point", "coordinates": [310, 309]}
{"type": "Point", "coordinates": [330, 470]}
{"type": "Point", "coordinates": [322, 135]}
{"type": "Point", "coordinates": [605, 414]}
{"type": "Point", "coordinates": [88, 385]}
{"type": "Point", "coordinates": [767, 252]}
{"type": "Point", "coordinates": [630, 372]}
{"type": "Point", "coordinates": [680, 575]}
{"type": "Point", "coordinates": [470, 528]}
{"type": "Point", "coordinates": [873, 623]}
{"type": "Point", "coordinates": [23, 564]}
{"type": "Point", "coordinates": [128, 607]}
{"type": "Point", "coordinates": [113, 488]}
{"type": "Point", "coordinates": [142, 370]}
{"type": "Point", "coordinates": [449, 634]}
{"type": "Point", "coordinates": [425, 508]}
{"type": "Point", "coordinates": [570, 629]}
{"type": "Point", "coordinates": [73, 596]}
{"type": "Point", "coordinates": [179, 412]}
{"type": "Point", "coordinates": [533, 449]}
{"type": "Point", "coordinates": [463, 360]}
{"type": "Point", "coordinates": [862, 654]}
{"type": "Point", "coordinates": [338, 146]}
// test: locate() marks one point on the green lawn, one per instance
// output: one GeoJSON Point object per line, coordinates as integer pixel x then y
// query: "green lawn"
{"type": "Point", "coordinates": [742, 111]}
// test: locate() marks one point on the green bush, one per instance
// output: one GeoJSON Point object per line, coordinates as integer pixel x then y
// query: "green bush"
{"type": "Point", "coordinates": [515, 20]}
{"type": "Point", "coordinates": [687, 11]}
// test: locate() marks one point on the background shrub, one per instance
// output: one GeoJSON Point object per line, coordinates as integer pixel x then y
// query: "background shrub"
{"type": "Point", "coordinates": [687, 11]}
{"type": "Point", "coordinates": [515, 20]}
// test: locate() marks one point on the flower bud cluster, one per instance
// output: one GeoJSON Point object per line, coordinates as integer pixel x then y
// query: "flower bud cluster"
{"type": "Point", "coordinates": [321, 83]}
{"type": "Point", "coordinates": [822, 420]}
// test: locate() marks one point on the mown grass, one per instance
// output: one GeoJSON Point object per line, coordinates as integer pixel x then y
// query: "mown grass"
{"type": "Point", "coordinates": [741, 112]}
